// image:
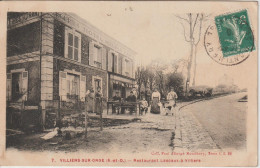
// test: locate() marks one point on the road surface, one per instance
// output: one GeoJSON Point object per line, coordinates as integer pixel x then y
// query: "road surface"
{"type": "Point", "coordinates": [219, 123]}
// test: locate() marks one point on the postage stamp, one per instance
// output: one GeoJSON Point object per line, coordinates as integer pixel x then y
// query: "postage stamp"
{"type": "Point", "coordinates": [230, 40]}
{"type": "Point", "coordinates": [234, 33]}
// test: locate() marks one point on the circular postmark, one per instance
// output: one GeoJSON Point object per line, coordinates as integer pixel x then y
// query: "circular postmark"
{"type": "Point", "coordinates": [230, 40]}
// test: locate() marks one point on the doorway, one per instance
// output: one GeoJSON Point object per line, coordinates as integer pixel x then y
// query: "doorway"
{"type": "Point", "coordinates": [16, 86]}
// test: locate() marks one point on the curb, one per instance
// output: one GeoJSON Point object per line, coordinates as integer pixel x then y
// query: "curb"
{"type": "Point", "coordinates": [177, 141]}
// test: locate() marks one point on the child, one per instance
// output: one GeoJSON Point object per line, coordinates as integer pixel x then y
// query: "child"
{"type": "Point", "coordinates": [143, 106]}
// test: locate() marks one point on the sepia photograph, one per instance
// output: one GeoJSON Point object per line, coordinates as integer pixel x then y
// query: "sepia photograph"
{"type": "Point", "coordinates": [129, 83]}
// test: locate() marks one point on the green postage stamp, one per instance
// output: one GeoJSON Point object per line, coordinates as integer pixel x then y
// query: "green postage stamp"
{"type": "Point", "coordinates": [235, 34]}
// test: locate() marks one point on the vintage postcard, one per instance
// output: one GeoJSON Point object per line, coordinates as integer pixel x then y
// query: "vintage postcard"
{"type": "Point", "coordinates": [120, 83]}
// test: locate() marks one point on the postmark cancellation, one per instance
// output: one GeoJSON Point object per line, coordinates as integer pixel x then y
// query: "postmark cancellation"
{"type": "Point", "coordinates": [230, 40]}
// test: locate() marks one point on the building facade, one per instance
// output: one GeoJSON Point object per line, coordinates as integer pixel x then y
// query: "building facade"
{"type": "Point", "coordinates": [59, 56]}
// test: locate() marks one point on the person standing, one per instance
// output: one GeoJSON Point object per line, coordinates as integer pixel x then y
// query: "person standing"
{"type": "Point", "coordinates": [89, 107]}
{"type": "Point", "coordinates": [171, 97]}
{"type": "Point", "coordinates": [98, 101]}
{"type": "Point", "coordinates": [156, 97]}
{"type": "Point", "coordinates": [90, 97]}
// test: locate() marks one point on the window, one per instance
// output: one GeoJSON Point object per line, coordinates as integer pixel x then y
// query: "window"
{"type": "Point", "coordinates": [96, 82]}
{"type": "Point", "coordinates": [73, 85]}
{"type": "Point", "coordinates": [17, 85]}
{"type": "Point", "coordinates": [72, 45]}
{"type": "Point", "coordinates": [97, 53]}
{"type": "Point", "coordinates": [127, 67]}
{"type": "Point", "coordinates": [114, 63]}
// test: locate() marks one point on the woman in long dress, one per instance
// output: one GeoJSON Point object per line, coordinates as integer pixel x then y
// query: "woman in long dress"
{"type": "Point", "coordinates": [90, 97]}
{"type": "Point", "coordinates": [98, 101]}
{"type": "Point", "coordinates": [156, 97]}
{"type": "Point", "coordinates": [89, 107]}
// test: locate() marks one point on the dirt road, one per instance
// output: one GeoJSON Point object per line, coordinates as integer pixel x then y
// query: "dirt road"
{"type": "Point", "coordinates": [153, 132]}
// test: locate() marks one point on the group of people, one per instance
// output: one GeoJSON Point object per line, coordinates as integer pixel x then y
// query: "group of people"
{"type": "Point", "coordinates": [94, 101]}
{"type": "Point", "coordinates": [131, 98]}
{"type": "Point", "coordinates": [156, 98]}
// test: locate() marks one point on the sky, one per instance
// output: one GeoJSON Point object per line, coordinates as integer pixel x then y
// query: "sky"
{"type": "Point", "coordinates": [157, 34]}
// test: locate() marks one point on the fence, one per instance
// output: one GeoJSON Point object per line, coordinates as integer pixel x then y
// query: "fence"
{"type": "Point", "coordinates": [21, 116]}
{"type": "Point", "coordinates": [25, 117]}
{"type": "Point", "coordinates": [68, 113]}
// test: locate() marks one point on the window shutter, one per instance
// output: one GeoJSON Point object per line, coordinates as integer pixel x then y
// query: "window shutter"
{"type": "Point", "coordinates": [119, 64]}
{"type": "Point", "coordinates": [116, 63]}
{"type": "Point", "coordinates": [9, 86]}
{"type": "Point", "coordinates": [63, 86]}
{"type": "Point", "coordinates": [66, 43]}
{"type": "Point", "coordinates": [109, 61]}
{"type": "Point", "coordinates": [25, 85]}
{"type": "Point", "coordinates": [79, 47]}
{"type": "Point", "coordinates": [104, 59]}
{"type": "Point", "coordinates": [91, 53]}
{"type": "Point", "coordinates": [82, 87]}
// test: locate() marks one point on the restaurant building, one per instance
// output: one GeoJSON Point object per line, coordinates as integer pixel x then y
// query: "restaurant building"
{"type": "Point", "coordinates": [59, 56]}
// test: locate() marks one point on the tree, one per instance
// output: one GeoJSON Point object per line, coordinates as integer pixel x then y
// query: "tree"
{"type": "Point", "coordinates": [177, 66]}
{"type": "Point", "coordinates": [192, 36]}
{"type": "Point", "coordinates": [157, 68]}
{"type": "Point", "coordinates": [145, 78]}
{"type": "Point", "coordinates": [151, 77]}
{"type": "Point", "coordinates": [175, 80]}
{"type": "Point", "coordinates": [138, 76]}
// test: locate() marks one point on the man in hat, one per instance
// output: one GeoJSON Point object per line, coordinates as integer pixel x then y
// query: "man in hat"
{"type": "Point", "coordinates": [131, 98]}
{"type": "Point", "coordinates": [117, 97]}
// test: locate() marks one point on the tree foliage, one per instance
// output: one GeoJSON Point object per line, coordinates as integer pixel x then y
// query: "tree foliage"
{"type": "Point", "coordinates": [161, 76]}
